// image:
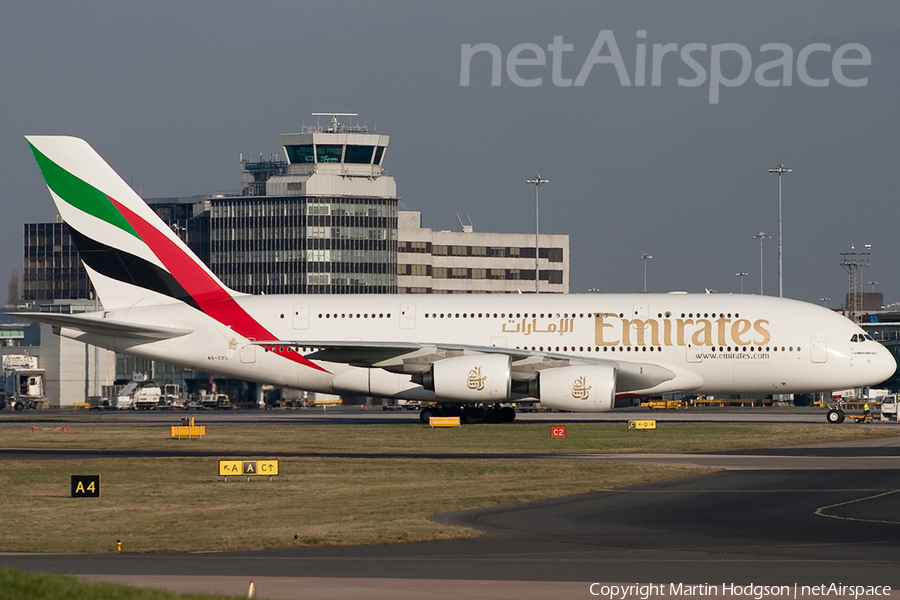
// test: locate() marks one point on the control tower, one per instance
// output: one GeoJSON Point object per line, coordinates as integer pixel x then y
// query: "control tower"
{"type": "Point", "coordinates": [324, 222]}
{"type": "Point", "coordinates": [338, 160]}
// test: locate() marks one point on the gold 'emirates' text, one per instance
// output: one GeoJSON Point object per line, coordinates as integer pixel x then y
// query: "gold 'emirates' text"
{"type": "Point", "coordinates": [612, 330]}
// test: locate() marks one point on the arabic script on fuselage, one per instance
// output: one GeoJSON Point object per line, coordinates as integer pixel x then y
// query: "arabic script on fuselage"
{"type": "Point", "coordinates": [610, 329]}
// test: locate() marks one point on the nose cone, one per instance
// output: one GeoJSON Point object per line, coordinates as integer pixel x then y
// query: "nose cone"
{"type": "Point", "coordinates": [884, 366]}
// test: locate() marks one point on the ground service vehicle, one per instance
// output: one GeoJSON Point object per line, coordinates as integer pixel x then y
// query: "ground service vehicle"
{"type": "Point", "coordinates": [23, 382]}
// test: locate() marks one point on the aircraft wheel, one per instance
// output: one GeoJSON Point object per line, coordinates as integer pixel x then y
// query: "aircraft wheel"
{"type": "Point", "coordinates": [835, 416]}
{"type": "Point", "coordinates": [472, 415]}
{"type": "Point", "coordinates": [507, 414]}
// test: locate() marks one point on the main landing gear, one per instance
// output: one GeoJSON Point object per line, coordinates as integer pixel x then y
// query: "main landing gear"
{"type": "Point", "coordinates": [470, 414]}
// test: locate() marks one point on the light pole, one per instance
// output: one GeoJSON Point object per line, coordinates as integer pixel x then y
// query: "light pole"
{"type": "Point", "coordinates": [780, 170]}
{"type": "Point", "coordinates": [741, 274]}
{"type": "Point", "coordinates": [824, 301]}
{"type": "Point", "coordinates": [645, 257]}
{"type": "Point", "coordinates": [537, 181]}
{"type": "Point", "coordinates": [873, 284]}
{"type": "Point", "coordinates": [761, 236]}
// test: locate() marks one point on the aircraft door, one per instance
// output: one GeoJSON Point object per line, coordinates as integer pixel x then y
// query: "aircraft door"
{"type": "Point", "coordinates": [692, 353]}
{"type": "Point", "coordinates": [818, 349]}
{"type": "Point", "coordinates": [640, 311]}
{"type": "Point", "coordinates": [301, 316]}
{"type": "Point", "coordinates": [248, 353]}
{"type": "Point", "coordinates": [407, 316]}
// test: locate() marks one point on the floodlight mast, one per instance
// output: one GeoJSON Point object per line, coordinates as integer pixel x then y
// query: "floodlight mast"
{"type": "Point", "coordinates": [645, 257]}
{"type": "Point", "coordinates": [780, 170]}
{"type": "Point", "coordinates": [537, 181]}
{"type": "Point", "coordinates": [761, 236]}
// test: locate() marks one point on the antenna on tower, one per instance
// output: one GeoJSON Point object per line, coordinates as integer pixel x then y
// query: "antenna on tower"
{"type": "Point", "coordinates": [335, 126]}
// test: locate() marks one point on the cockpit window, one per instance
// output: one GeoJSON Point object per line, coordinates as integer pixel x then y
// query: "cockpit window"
{"type": "Point", "coordinates": [855, 338]}
{"type": "Point", "coordinates": [870, 338]}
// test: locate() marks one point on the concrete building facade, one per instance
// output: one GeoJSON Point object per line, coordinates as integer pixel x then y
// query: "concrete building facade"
{"type": "Point", "coordinates": [468, 262]}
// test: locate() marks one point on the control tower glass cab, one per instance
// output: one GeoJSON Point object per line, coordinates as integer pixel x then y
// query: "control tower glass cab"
{"type": "Point", "coordinates": [342, 153]}
{"type": "Point", "coordinates": [340, 160]}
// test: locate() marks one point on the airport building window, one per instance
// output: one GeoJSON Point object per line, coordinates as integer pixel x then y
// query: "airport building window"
{"type": "Point", "coordinates": [329, 153]}
{"type": "Point", "coordinates": [358, 154]}
{"type": "Point", "coordinates": [301, 154]}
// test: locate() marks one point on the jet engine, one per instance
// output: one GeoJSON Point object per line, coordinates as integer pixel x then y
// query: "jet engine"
{"type": "Point", "coordinates": [475, 378]}
{"type": "Point", "coordinates": [580, 388]}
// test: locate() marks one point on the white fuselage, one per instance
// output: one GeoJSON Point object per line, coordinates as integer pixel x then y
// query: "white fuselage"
{"type": "Point", "coordinates": [713, 343]}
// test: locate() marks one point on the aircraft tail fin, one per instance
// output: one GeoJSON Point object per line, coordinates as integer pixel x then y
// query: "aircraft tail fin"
{"type": "Point", "coordinates": [132, 257]}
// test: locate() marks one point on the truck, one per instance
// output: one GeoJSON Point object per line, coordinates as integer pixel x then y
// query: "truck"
{"type": "Point", "coordinates": [23, 382]}
{"type": "Point", "coordinates": [402, 405]}
{"type": "Point", "coordinates": [142, 397]}
{"type": "Point", "coordinates": [214, 400]}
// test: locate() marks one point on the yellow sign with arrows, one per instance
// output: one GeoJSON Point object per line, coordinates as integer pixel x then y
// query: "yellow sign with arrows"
{"type": "Point", "coordinates": [248, 468]}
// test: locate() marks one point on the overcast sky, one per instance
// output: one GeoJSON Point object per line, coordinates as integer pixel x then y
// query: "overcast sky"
{"type": "Point", "coordinates": [171, 93]}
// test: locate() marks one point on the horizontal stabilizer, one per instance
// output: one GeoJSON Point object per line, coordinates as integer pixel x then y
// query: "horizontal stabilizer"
{"type": "Point", "coordinates": [99, 326]}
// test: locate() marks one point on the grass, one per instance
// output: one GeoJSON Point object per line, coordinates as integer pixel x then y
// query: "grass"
{"type": "Point", "coordinates": [21, 585]}
{"type": "Point", "coordinates": [182, 505]}
{"type": "Point", "coordinates": [363, 497]}
{"type": "Point", "coordinates": [419, 439]}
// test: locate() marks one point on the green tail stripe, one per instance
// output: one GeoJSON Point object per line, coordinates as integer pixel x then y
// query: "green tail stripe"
{"type": "Point", "coordinates": [80, 194]}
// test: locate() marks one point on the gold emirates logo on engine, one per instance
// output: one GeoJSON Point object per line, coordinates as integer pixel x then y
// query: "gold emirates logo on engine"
{"type": "Point", "coordinates": [476, 379]}
{"type": "Point", "coordinates": [580, 389]}
{"type": "Point", "coordinates": [612, 330]}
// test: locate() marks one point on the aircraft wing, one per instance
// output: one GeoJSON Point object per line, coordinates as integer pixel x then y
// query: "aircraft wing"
{"type": "Point", "coordinates": [413, 357]}
{"type": "Point", "coordinates": [106, 327]}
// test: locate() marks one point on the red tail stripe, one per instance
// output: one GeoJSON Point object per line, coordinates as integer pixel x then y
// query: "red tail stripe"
{"type": "Point", "coordinates": [212, 298]}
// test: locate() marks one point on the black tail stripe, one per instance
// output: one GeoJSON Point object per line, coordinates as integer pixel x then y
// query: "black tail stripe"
{"type": "Point", "coordinates": [128, 268]}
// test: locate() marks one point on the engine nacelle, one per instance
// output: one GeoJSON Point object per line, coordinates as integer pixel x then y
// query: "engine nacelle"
{"type": "Point", "coordinates": [379, 383]}
{"type": "Point", "coordinates": [476, 378]}
{"type": "Point", "coordinates": [581, 388]}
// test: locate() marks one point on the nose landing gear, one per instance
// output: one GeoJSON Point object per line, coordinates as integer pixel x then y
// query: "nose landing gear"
{"type": "Point", "coordinates": [835, 416]}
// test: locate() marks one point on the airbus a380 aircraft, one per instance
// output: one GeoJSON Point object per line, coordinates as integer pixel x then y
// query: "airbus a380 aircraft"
{"type": "Point", "coordinates": [572, 352]}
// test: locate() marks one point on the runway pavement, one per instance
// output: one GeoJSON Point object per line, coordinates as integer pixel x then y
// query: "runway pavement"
{"type": "Point", "coordinates": [814, 515]}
